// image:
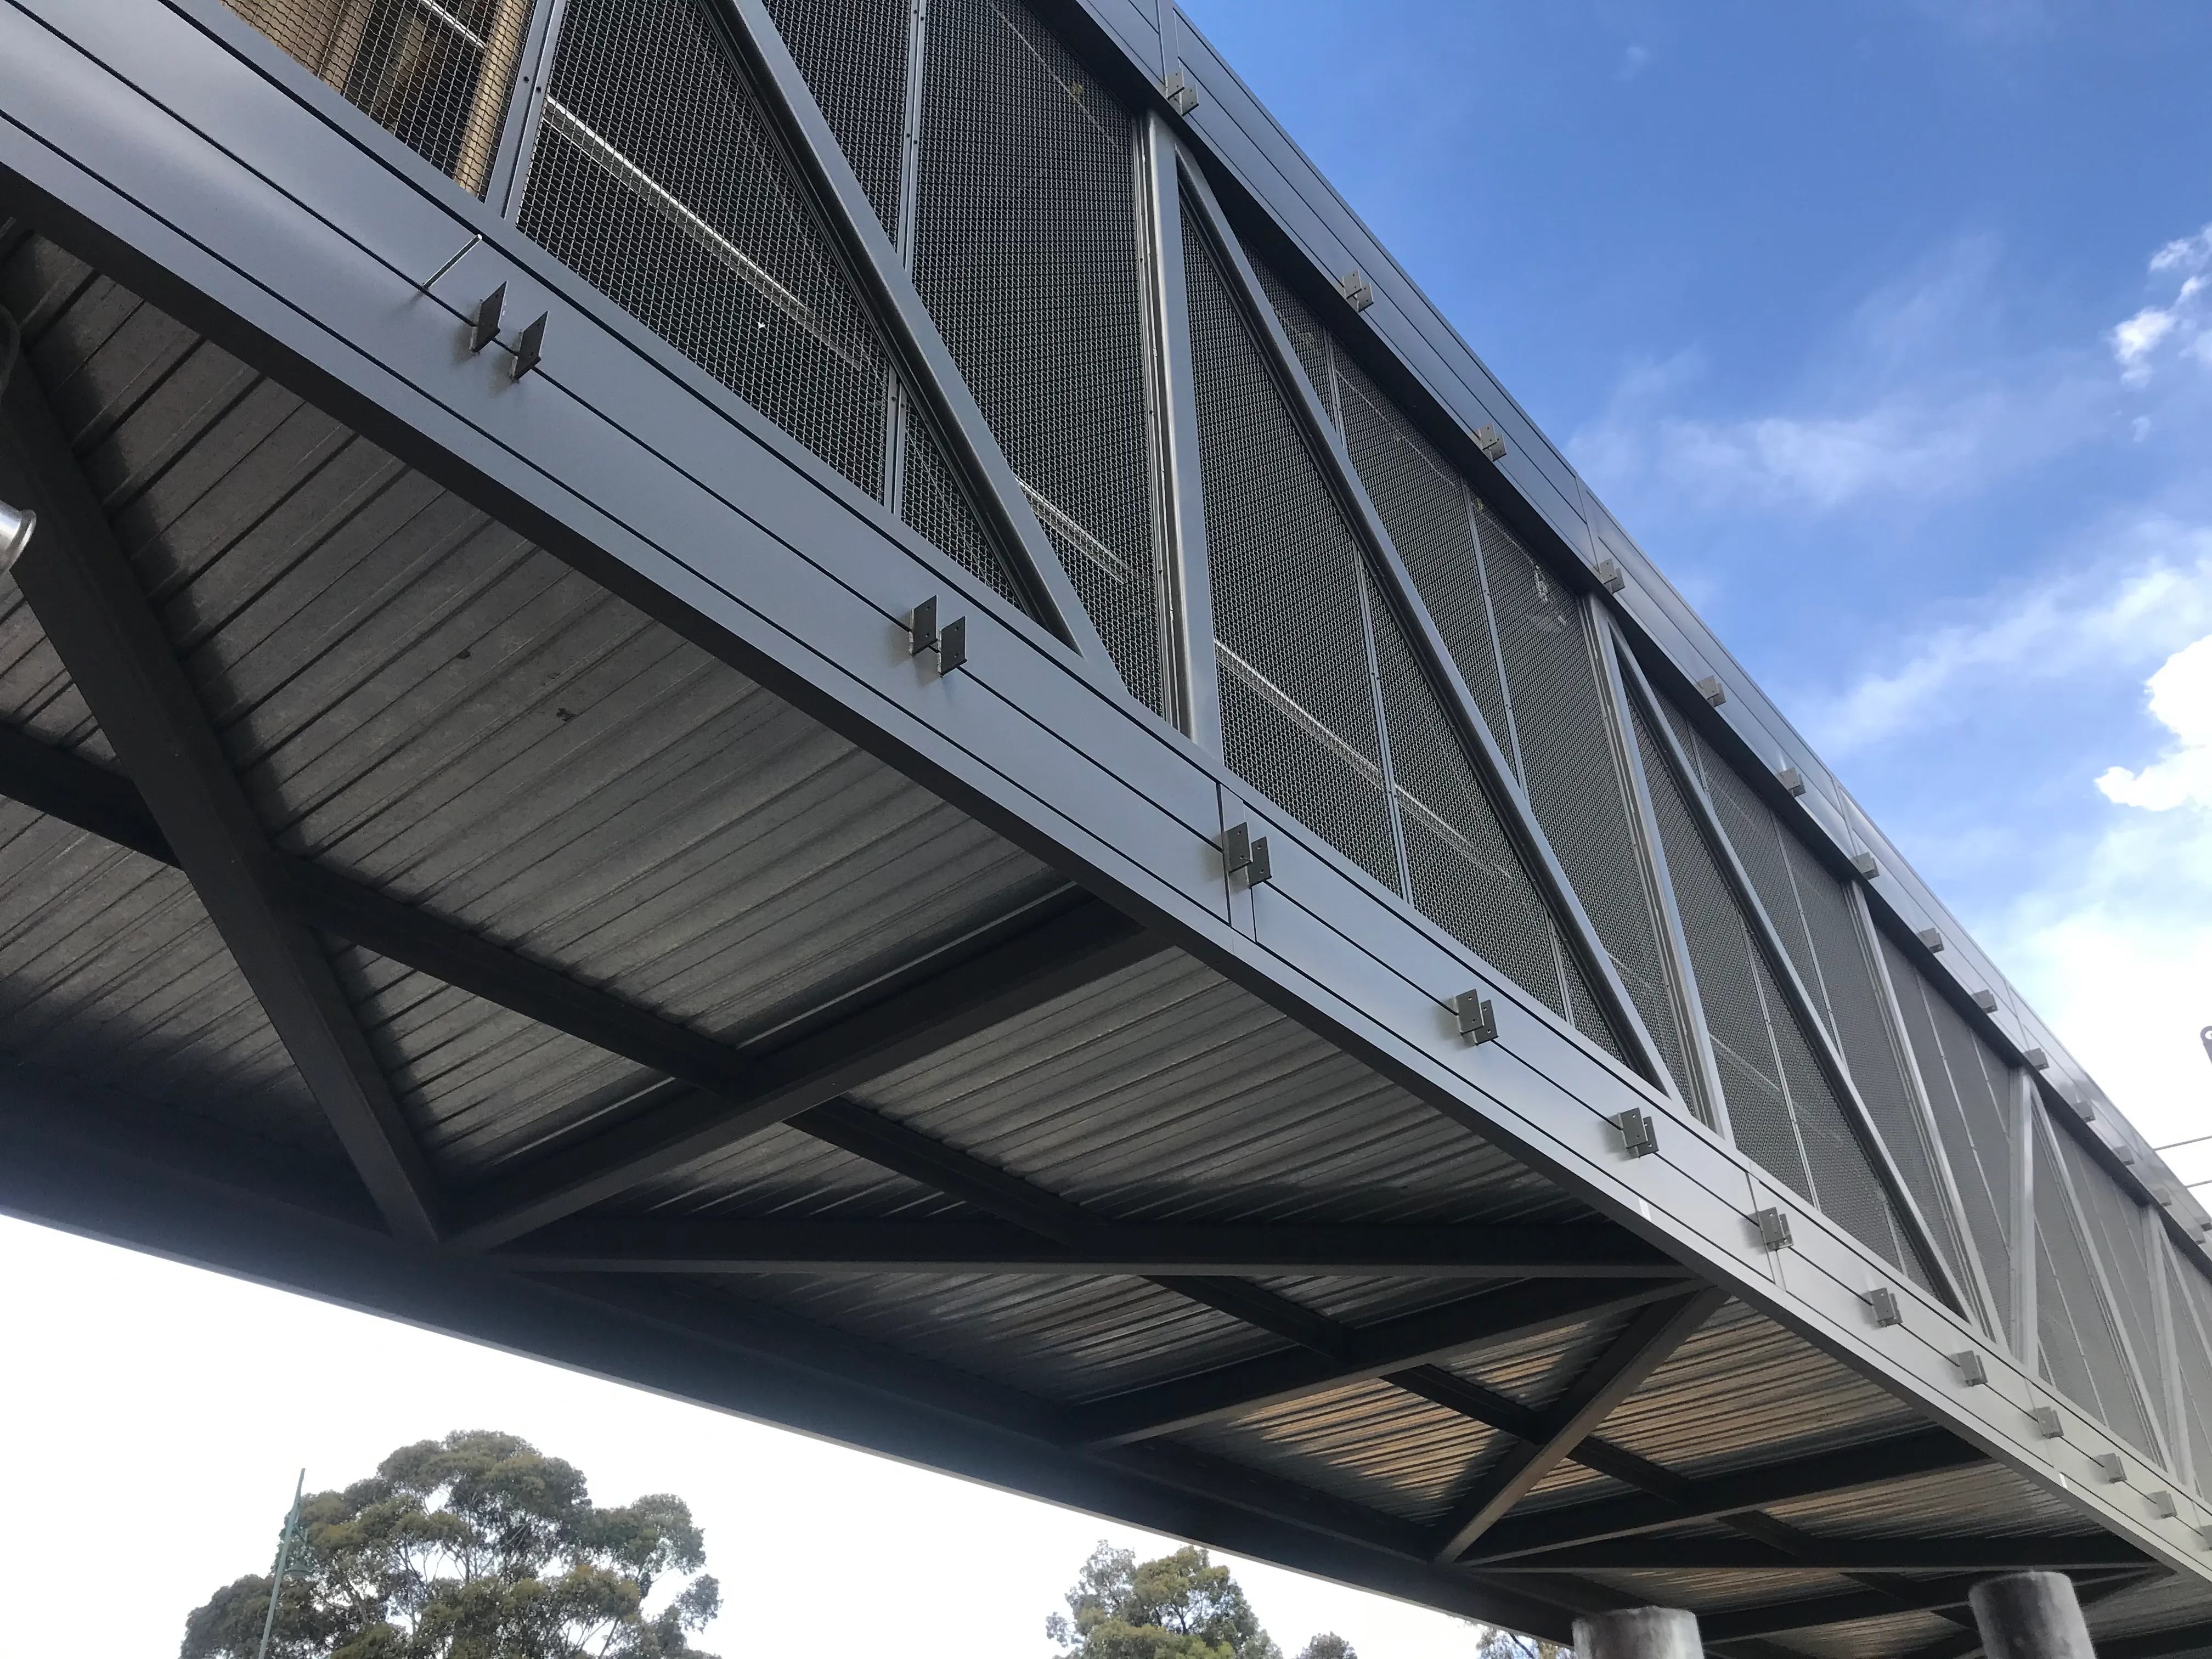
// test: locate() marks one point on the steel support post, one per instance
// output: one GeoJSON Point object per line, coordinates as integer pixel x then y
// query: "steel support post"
{"type": "Point", "coordinates": [1638, 1633]}
{"type": "Point", "coordinates": [2030, 1615]}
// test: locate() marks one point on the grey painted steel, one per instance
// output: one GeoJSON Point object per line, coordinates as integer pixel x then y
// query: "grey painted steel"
{"type": "Point", "coordinates": [1922, 1239]}
{"type": "Point", "coordinates": [306, 310]}
{"type": "Point", "coordinates": [1639, 1633]}
{"type": "Point", "coordinates": [936, 1246]}
{"type": "Point", "coordinates": [1984, 1293]}
{"type": "Point", "coordinates": [2030, 1615]}
{"type": "Point", "coordinates": [1182, 491]}
{"type": "Point", "coordinates": [1519, 818]}
{"type": "Point", "coordinates": [1690, 1011]}
{"type": "Point", "coordinates": [1610, 1379]}
{"type": "Point", "coordinates": [82, 586]}
{"type": "Point", "coordinates": [913, 337]}
{"type": "Point", "coordinates": [2026, 1330]}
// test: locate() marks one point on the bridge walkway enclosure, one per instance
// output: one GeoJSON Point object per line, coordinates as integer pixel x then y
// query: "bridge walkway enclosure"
{"type": "Point", "coordinates": [841, 707]}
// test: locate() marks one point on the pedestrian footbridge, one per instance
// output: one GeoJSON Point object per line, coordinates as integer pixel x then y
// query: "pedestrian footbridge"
{"type": "Point", "coordinates": [842, 708]}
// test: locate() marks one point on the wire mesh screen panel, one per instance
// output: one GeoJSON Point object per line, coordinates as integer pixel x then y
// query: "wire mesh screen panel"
{"type": "Point", "coordinates": [1025, 252]}
{"type": "Point", "coordinates": [1308, 339]}
{"type": "Point", "coordinates": [1424, 505]}
{"type": "Point", "coordinates": [2112, 1227]}
{"type": "Point", "coordinates": [1571, 772]}
{"type": "Point", "coordinates": [1466, 873]}
{"type": "Point", "coordinates": [435, 73]}
{"type": "Point", "coordinates": [2191, 1297]}
{"type": "Point", "coordinates": [1298, 715]}
{"type": "Point", "coordinates": [854, 55]}
{"type": "Point", "coordinates": [1966, 1088]}
{"type": "Point", "coordinates": [1781, 1107]}
{"type": "Point", "coordinates": [1812, 914]}
{"type": "Point", "coordinates": [2076, 1339]}
{"type": "Point", "coordinates": [659, 178]}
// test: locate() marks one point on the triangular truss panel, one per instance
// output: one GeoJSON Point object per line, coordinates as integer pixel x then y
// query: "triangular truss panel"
{"type": "Point", "coordinates": [658, 175]}
{"type": "Point", "coordinates": [1017, 218]}
{"type": "Point", "coordinates": [1813, 916]}
{"type": "Point", "coordinates": [1781, 1108]}
{"type": "Point", "coordinates": [1501, 618]}
{"type": "Point", "coordinates": [2081, 1350]}
{"type": "Point", "coordinates": [1324, 703]}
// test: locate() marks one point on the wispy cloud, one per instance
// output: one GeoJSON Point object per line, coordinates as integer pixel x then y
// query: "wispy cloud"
{"type": "Point", "coordinates": [1632, 62]}
{"type": "Point", "coordinates": [2132, 598]}
{"type": "Point", "coordinates": [2134, 340]}
{"type": "Point", "coordinates": [1909, 400]}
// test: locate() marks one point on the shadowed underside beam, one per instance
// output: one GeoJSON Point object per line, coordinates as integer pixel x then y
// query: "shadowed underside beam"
{"type": "Point", "coordinates": [1924, 1451]}
{"type": "Point", "coordinates": [1813, 1612]}
{"type": "Point", "coordinates": [81, 587]}
{"type": "Point", "coordinates": [649, 1246]}
{"type": "Point", "coordinates": [1590, 1399]}
{"type": "Point", "coordinates": [2026, 1553]}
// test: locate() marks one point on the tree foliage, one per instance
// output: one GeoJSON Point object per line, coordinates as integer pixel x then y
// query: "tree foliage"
{"type": "Point", "coordinates": [1179, 1607]}
{"type": "Point", "coordinates": [475, 1546]}
{"type": "Point", "coordinates": [1328, 1645]}
{"type": "Point", "coordinates": [1496, 1643]}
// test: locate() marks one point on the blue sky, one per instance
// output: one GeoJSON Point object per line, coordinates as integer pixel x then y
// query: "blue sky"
{"type": "Point", "coordinates": [1880, 326]}
{"type": "Point", "coordinates": [1875, 323]}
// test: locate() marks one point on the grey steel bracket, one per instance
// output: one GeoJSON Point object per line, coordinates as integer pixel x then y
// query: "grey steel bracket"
{"type": "Point", "coordinates": [530, 348]}
{"type": "Point", "coordinates": [909, 334]}
{"type": "Point", "coordinates": [924, 632]}
{"type": "Point", "coordinates": [1920, 1238]}
{"type": "Point", "coordinates": [1478, 1020]}
{"type": "Point", "coordinates": [1639, 1136]}
{"type": "Point", "coordinates": [1792, 780]}
{"type": "Point", "coordinates": [1881, 1302]}
{"type": "Point", "coordinates": [1972, 1373]}
{"type": "Point", "coordinates": [483, 326]}
{"type": "Point", "coordinates": [1177, 93]}
{"type": "Point", "coordinates": [2048, 1422]}
{"type": "Point", "coordinates": [1710, 688]}
{"type": "Point", "coordinates": [2112, 1468]}
{"type": "Point", "coordinates": [1490, 444]}
{"type": "Point", "coordinates": [1391, 578]}
{"type": "Point", "coordinates": [1356, 290]}
{"type": "Point", "coordinates": [1609, 575]}
{"type": "Point", "coordinates": [1774, 1231]}
{"type": "Point", "coordinates": [1245, 853]}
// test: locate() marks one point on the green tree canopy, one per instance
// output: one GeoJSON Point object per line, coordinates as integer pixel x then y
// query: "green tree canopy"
{"type": "Point", "coordinates": [475, 1546]}
{"type": "Point", "coordinates": [1179, 1607]}
{"type": "Point", "coordinates": [1328, 1645]}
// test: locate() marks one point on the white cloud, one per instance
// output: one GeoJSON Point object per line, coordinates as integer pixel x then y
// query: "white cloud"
{"type": "Point", "coordinates": [2116, 952]}
{"type": "Point", "coordinates": [2185, 252]}
{"type": "Point", "coordinates": [1631, 63]}
{"type": "Point", "coordinates": [2134, 340]}
{"type": "Point", "coordinates": [2120, 606]}
{"type": "Point", "coordinates": [2181, 701]}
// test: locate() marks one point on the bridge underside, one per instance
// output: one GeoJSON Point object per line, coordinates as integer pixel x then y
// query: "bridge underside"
{"type": "Point", "coordinates": [679, 1038]}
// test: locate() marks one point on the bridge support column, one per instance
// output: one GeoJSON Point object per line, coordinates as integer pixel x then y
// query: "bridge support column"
{"type": "Point", "coordinates": [2028, 1616]}
{"type": "Point", "coordinates": [1642, 1633]}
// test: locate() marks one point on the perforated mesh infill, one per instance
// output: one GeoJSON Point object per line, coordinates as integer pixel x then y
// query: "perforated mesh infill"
{"type": "Point", "coordinates": [1297, 701]}
{"type": "Point", "coordinates": [854, 55]}
{"type": "Point", "coordinates": [659, 178]}
{"type": "Point", "coordinates": [435, 74]}
{"type": "Point", "coordinates": [1812, 914]}
{"type": "Point", "coordinates": [2079, 1347]}
{"type": "Point", "coordinates": [1466, 873]}
{"type": "Point", "coordinates": [1780, 1105]}
{"type": "Point", "coordinates": [1025, 253]}
{"type": "Point", "coordinates": [1308, 339]}
{"type": "Point", "coordinates": [2191, 1300]}
{"type": "Point", "coordinates": [2118, 1240]}
{"type": "Point", "coordinates": [1571, 772]}
{"type": "Point", "coordinates": [1968, 1096]}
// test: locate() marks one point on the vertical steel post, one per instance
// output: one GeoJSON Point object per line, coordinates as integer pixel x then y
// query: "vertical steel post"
{"type": "Point", "coordinates": [1638, 1633]}
{"type": "Point", "coordinates": [284, 1560]}
{"type": "Point", "coordinates": [2030, 1615]}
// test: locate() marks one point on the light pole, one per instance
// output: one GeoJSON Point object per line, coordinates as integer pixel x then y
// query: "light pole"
{"type": "Point", "coordinates": [284, 1560]}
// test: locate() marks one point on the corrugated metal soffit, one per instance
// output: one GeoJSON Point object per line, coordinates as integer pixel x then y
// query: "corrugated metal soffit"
{"type": "Point", "coordinates": [435, 73]}
{"type": "Point", "coordinates": [659, 177]}
{"type": "Point", "coordinates": [1280, 540]}
{"type": "Point", "coordinates": [1813, 916]}
{"type": "Point", "coordinates": [2078, 1340]}
{"type": "Point", "coordinates": [1968, 1089]}
{"type": "Point", "coordinates": [1781, 1106]}
{"type": "Point", "coordinates": [1016, 217]}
